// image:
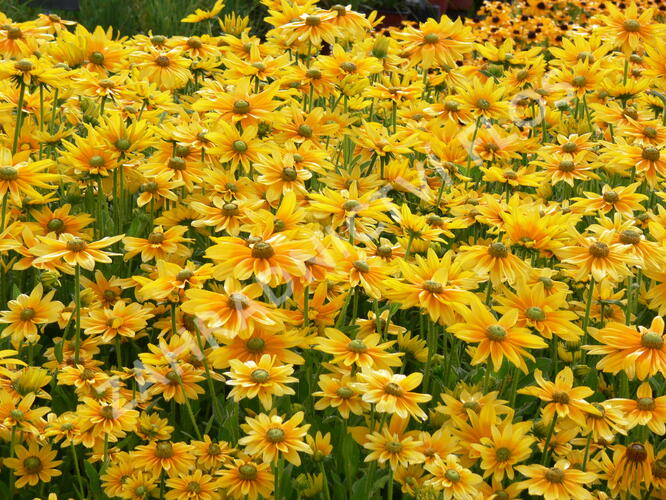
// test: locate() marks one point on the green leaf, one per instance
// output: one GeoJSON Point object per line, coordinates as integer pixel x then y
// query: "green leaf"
{"type": "Point", "coordinates": [93, 478]}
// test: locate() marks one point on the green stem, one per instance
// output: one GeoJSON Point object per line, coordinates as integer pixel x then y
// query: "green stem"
{"type": "Point", "coordinates": [75, 458]}
{"type": "Point", "coordinates": [5, 199]}
{"type": "Point", "coordinates": [19, 118]}
{"type": "Point", "coordinates": [587, 452]}
{"type": "Point", "coordinates": [390, 484]}
{"type": "Point", "coordinates": [189, 410]}
{"type": "Point", "coordinates": [77, 305]}
{"type": "Point", "coordinates": [588, 307]}
{"type": "Point", "coordinates": [327, 492]}
{"type": "Point", "coordinates": [549, 435]}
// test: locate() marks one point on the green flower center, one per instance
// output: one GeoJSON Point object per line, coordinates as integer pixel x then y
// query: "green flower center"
{"type": "Point", "coordinates": [260, 376]}
{"type": "Point", "coordinates": [632, 25]}
{"type": "Point", "coordinates": [502, 454]}
{"type": "Point", "coordinates": [275, 435]}
{"type": "Point", "coordinates": [496, 332]}
{"type": "Point", "coordinates": [8, 173]}
{"type": "Point", "coordinates": [535, 313]}
{"type": "Point", "coordinates": [652, 340]}
{"type": "Point", "coordinates": [32, 465]}
{"type": "Point", "coordinates": [247, 472]}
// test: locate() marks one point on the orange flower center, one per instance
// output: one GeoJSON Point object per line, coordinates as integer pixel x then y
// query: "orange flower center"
{"type": "Point", "coordinates": [247, 472]}
{"type": "Point", "coordinates": [599, 250]}
{"type": "Point", "coordinates": [262, 250]}
{"type": "Point", "coordinates": [554, 475]}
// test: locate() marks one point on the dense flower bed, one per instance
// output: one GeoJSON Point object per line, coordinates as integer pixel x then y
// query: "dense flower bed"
{"type": "Point", "coordinates": [343, 262]}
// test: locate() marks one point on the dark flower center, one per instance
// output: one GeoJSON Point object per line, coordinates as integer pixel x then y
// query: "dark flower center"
{"type": "Point", "coordinates": [554, 475]}
{"type": "Point", "coordinates": [498, 250]}
{"type": "Point", "coordinates": [599, 250]}
{"type": "Point", "coordinates": [560, 397]}
{"type": "Point", "coordinates": [262, 250]}
{"type": "Point", "coordinates": [164, 449]}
